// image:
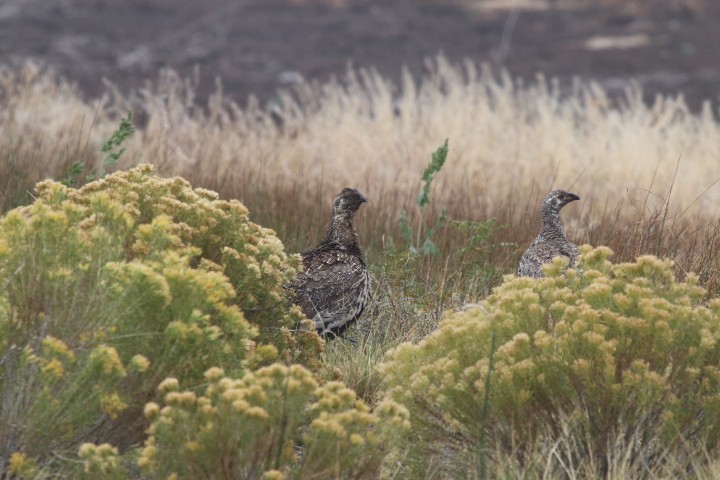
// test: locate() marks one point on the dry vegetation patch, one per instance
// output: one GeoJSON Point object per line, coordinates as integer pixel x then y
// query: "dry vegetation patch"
{"type": "Point", "coordinates": [647, 175]}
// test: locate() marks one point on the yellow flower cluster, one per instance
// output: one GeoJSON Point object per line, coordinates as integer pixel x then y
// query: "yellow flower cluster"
{"type": "Point", "coordinates": [601, 339]}
{"type": "Point", "coordinates": [100, 461]}
{"type": "Point", "coordinates": [273, 475]}
{"type": "Point", "coordinates": [112, 404]}
{"type": "Point", "coordinates": [170, 384]}
{"type": "Point", "coordinates": [139, 363]}
{"type": "Point", "coordinates": [345, 432]}
{"type": "Point", "coordinates": [56, 347]}
{"type": "Point", "coordinates": [106, 360]}
{"type": "Point", "coordinates": [21, 465]}
{"type": "Point", "coordinates": [263, 411]}
{"type": "Point", "coordinates": [251, 407]}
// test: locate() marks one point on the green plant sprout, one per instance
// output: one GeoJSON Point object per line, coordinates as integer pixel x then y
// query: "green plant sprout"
{"type": "Point", "coordinates": [113, 150]}
{"type": "Point", "coordinates": [419, 244]}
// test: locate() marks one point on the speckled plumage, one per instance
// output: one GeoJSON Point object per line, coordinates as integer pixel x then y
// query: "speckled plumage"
{"type": "Point", "coordinates": [551, 241]}
{"type": "Point", "coordinates": [334, 287]}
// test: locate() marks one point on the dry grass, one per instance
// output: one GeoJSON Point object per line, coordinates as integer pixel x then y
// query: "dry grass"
{"type": "Point", "coordinates": [647, 175]}
{"type": "Point", "coordinates": [509, 144]}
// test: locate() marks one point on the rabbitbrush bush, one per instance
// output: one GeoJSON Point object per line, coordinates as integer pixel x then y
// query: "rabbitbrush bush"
{"type": "Point", "coordinates": [274, 423]}
{"type": "Point", "coordinates": [111, 288]}
{"type": "Point", "coordinates": [607, 354]}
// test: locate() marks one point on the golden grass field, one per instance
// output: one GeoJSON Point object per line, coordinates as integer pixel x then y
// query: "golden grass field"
{"type": "Point", "coordinates": [647, 174]}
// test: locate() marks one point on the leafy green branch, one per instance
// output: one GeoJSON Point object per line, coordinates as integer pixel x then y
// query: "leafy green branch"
{"type": "Point", "coordinates": [421, 241]}
{"type": "Point", "coordinates": [113, 150]}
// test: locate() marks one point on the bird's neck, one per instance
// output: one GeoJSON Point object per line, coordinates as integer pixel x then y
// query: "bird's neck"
{"type": "Point", "coordinates": [551, 225]}
{"type": "Point", "coordinates": [340, 230]}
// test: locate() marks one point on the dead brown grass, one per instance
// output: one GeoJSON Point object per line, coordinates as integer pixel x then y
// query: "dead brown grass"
{"type": "Point", "coordinates": [647, 175]}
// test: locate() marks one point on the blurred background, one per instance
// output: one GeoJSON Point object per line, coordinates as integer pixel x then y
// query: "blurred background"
{"type": "Point", "coordinates": [258, 46]}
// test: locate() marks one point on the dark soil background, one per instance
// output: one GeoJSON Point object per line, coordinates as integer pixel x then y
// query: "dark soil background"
{"type": "Point", "coordinates": [258, 46]}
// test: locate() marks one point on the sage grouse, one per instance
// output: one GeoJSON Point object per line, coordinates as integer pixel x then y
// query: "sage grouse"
{"type": "Point", "coordinates": [334, 287]}
{"type": "Point", "coordinates": [552, 241]}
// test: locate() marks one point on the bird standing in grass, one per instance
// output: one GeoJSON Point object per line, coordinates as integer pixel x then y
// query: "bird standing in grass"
{"type": "Point", "coordinates": [551, 241]}
{"type": "Point", "coordinates": [334, 287]}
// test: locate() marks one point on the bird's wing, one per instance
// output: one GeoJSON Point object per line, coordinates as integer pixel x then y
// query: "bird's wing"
{"type": "Point", "coordinates": [332, 289]}
{"type": "Point", "coordinates": [572, 252]}
{"type": "Point", "coordinates": [540, 254]}
{"type": "Point", "coordinates": [530, 263]}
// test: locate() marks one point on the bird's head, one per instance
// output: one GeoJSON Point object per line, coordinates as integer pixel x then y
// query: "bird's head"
{"type": "Point", "coordinates": [348, 202]}
{"type": "Point", "coordinates": [557, 199]}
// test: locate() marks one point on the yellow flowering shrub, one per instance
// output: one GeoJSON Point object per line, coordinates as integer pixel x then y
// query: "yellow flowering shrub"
{"type": "Point", "coordinates": [101, 461]}
{"type": "Point", "coordinates": [112, 287]}
{"type": "Point", "coordinates": [604, 352]}
{"type": "Point", "coordinates": [276, 422]}
{"type": "Point", "coordinates": [167, 213]}
{"type": "Point", "coordinates": [20, 466]}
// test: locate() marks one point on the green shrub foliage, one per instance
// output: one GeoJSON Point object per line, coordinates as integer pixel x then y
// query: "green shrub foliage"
{"type": "Point", "coordinates": [607, 352]}
{"type": "Point", "coordinates": [110, 288]}
{"type": "Point", "coordinates": [274, 423]}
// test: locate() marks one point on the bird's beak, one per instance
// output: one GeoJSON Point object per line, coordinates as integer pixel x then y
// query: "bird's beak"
{"type": "Point", "coordinates": [363, 199]}
{"type": "Point", "coordinates": [572, 197]}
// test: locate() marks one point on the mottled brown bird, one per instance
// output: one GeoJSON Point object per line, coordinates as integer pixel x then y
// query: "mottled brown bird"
{"type": "Point", "coordinates": [334, 287]}
{"type": "Point", "coordinates": [551, 242]}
